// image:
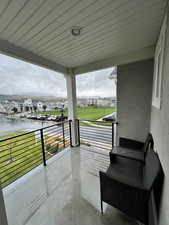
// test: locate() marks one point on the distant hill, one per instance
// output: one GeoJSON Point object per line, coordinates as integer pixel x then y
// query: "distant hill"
{"type": "Point", "coordinates": [34, 98]}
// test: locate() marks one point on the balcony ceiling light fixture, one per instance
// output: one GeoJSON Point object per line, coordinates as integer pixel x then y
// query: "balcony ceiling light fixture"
{"type": "Point", "coordinates": [76, 30]}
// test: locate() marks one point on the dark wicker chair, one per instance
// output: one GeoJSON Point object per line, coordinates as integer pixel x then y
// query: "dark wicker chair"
{"type": "Point", "coordinates": [127, 185]}
{"type": "Point", "coordinates": [134, 149]}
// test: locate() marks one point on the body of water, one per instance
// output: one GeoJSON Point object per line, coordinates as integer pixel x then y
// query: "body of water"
{"type": "Point", "coordinates": [12, 125]}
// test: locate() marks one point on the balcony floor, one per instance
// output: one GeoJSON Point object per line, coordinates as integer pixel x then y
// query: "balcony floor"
{"type": "Point", "coordinates": [66, 192]}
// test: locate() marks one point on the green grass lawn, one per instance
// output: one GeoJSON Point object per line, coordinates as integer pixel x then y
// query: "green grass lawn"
{"type": "Point", "coordinates": [21, 154]}
{"type": "Point", "coordinates": [93, 113]}
{"type": "Point", "coordinates": [87, 113]}
{"type": "Point", "coordinates": [18, 156]}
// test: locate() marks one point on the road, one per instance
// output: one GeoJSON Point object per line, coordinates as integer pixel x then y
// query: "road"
{"type": "Point", "coordinates": [102, 135]}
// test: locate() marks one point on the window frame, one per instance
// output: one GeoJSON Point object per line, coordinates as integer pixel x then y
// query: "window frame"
{"type": "Point", "coordinates": [158, 66]}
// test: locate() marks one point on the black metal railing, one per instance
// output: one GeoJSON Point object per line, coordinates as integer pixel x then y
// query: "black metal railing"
{"type": "Point", "coordinates": [97, 133]}
{"type": "Point", "coordinates": [21, 153]}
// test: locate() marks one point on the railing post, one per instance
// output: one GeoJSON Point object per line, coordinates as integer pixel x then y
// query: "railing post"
{"type": "Point", "coordinates": [78, 131]}
{"type": "Point", "coordinates": [63, 133]}
{"type": "Point", "coordinates": [43, 147]}
{"type": "Point", "coordinates": [70, 133]}
{"type": "Point", "coordinates": [112, 136]}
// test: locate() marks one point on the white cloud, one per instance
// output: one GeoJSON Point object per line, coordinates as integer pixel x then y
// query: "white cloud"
{"type": "Point", "coordinates": [18, 77]}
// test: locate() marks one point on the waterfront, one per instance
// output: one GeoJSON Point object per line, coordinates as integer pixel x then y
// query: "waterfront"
{"type": "Point", "coordinates": [12, 125]}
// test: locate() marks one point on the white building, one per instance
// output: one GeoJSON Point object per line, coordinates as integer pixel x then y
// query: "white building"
{"type": "Point", "coordinates": [40, 106]}
{"type": "Point", "coordinates": [2, 109]}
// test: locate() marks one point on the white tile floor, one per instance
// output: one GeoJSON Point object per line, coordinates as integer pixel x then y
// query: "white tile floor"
{"type": "Point", "coordinates": [66, 192]}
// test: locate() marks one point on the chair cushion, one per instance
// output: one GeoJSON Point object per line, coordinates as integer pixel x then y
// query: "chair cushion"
{"type": "Point", "coordinates": [130, 153]}
{"type": "Point", "coordinates": [127, 171]}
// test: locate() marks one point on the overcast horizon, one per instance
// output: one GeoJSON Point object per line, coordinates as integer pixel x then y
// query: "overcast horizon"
{"type": "Point", "coordinates": [20, 78]}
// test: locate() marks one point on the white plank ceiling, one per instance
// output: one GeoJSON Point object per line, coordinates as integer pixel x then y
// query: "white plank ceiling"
{"type": "Point", "coordinates": [40, 29]}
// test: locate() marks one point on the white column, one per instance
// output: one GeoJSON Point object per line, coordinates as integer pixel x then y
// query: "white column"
{"type": "Point", "coordinates": [72, 103]}
{"type": "Point", "coordinates": [3, 217]}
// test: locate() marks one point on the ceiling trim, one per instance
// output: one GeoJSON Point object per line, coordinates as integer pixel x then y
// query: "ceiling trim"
{"type": "Point", "coordinates": [27, 56]}
{"type": "Point", "coordinates": [134, 56]}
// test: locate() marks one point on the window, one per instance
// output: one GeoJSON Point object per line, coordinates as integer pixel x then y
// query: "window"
{"type": "Point", "coordinates": [158, 67]}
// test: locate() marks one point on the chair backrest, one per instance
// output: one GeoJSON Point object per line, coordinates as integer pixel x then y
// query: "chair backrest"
{"type": "Point", "coordinates": [130, 143]}
{"type": "Point", "coordinates": [148, 144]}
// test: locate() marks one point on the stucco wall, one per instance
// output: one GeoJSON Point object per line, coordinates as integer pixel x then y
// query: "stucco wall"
{"type": "Point", "coordinates": [3, 218]}
{"type": "Point", "coordinates": [134, 91]}
{"type": "Point", "coordinates": [160, 131]}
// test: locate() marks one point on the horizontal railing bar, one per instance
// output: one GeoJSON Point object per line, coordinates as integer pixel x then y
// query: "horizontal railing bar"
{"type": "Point", "coordinates": [51, 129]}
{"type": "Point", "coordinates": [7, 149]}
{"type": "Point", "coordinates": [20, 135]}
{"type": "Point", "coordinates": [18, 167]}
{"type": "Point", "coordinates": [34, 139]}
{"type": "Point", "coordinates": [106, 128]}
{"type": "Point", "coordinates": [96, 138]}
{"type": "Point", "coordinates": [17, 140]}
{"type": "Point", "coordinates": [96, 133]}
{"type": "Point", "coordinates": [100, 146]}
{"type": "Point", "coordinates": [20, 149]}
{"type": "Point", "coordinates": [52, 132]}
{"type": "Point", "coordinates": [56, 124]}
{"type": "Point", "coordinates": [30, 132]}
{"type": "Point", "coordinates": [14, 165]}
{"type": "Point", "coordinates": [21, 171]}
{"type": "Point", "coordinates": [47, 138]}
{"type": "Point", "coordinates": [26, 160]}
{"type": "Point", "coordinates": [81, 120]}
{"type": "Point", "coordinates": [99, 141]}
{"type": "Point", "coordinates": [30, 149]}
{"type": "Point", "coordinates": [53, 146]}
{"type": "Point", "coordinates": [96, 128]}
{"type": "Point", "coordinates": [18, 155]}
{"type": "Point", "coordinates": [61, 141]}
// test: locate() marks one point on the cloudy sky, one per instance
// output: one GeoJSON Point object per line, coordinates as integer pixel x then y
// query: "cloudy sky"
{"type": "Point", "coordinates": [21, 78]}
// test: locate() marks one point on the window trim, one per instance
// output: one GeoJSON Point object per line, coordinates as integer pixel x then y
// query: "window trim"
{"type": "Point", "coordinates": [158, 66]}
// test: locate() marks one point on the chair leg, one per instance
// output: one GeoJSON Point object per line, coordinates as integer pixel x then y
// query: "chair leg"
{"type": "Point", "coordinates": [101, 203]}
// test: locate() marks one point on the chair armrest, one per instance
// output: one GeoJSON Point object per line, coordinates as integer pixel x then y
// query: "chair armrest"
{"type": "Point", "coordinates": [130, 143]}
{"type": "Point", "coordinates": [114, 156]}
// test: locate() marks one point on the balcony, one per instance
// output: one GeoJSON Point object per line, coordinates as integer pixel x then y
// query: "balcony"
{"type": "Point", "coordinates": [66, 191]}
{"type": "Point", "coordinates": [111, 33]}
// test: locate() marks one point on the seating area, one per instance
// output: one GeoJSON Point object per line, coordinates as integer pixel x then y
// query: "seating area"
{"type": "Point", "coordinates": [65, 192]}
{"type": "Point", "coordinates": [134, 149]}
{"type": "Point", "coordinates": [133, 180]}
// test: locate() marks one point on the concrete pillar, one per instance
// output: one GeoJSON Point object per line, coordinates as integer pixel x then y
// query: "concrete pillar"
{"type": "Point", "coordinates": [3, 217]}
{"type": "Point", "coordinates": [72, 103]}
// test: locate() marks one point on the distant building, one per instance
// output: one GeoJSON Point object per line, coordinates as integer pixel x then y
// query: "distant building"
{"type": "Point", "coordinates": [111, 102]}
{"type": "Point", "coordinates": [40, 106]}
{"type": "Point", "coordinates": [28, 102]}
{"type": "Point", "coordinates": [97, 101]}
{"type": "Point", "coordinates": [2, 109]}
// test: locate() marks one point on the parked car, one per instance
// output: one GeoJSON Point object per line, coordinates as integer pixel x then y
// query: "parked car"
{"type": "Point", "coordinates": [31, 117]}
{"type": "Point", "coordinates": [50, 118]}
{"type": "Point", "coordinates": [110, 118]}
